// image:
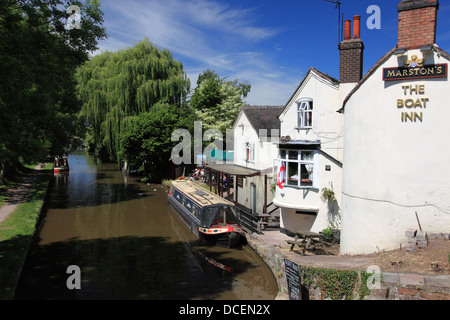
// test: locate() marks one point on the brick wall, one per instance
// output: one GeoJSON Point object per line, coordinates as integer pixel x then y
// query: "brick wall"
{"type": "Point", "coordinates": [417, 23]}
{"type": "Point", "coordinates": [351, 60]}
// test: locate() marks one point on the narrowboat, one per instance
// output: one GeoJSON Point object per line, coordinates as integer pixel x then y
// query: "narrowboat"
{"type": "Point", "coordinates": [210, 217]}
{"type": "Point", "coordinates": [60, 164]}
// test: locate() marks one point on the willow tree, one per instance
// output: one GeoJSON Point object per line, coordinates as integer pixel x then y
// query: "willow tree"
{"type": "Point", "coordinates": [115, 87]}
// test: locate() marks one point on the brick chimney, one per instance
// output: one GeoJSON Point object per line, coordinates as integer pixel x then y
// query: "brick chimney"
{"type": "Point", "coordinates": [352, 52]}
{"type": "Point", "coordinates": [417, 23]}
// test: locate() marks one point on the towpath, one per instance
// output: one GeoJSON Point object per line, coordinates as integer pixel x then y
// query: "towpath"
{"type": "Point", "coordinates": [18, 194]}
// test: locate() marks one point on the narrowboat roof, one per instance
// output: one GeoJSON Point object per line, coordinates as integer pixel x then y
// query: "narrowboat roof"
{"type": "Point", "coordinates": [200, 195]}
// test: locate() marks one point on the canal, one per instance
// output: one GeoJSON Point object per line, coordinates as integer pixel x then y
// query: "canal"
{"type": "Point", "coordinates": [129, 244]}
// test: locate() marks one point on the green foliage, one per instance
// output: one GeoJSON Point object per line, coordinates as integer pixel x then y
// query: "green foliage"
{"type": "Point", "coordinates": [328, 195]}
{"type": "Point", "coordinates": [327, 234]}
{"type": "Point", "coordinates": [217, 102]}
{"type": "Point", "coordinates": [39, 57]}
{"type": "Point", "coordinates": [16, 235]}
{"type": "Point", "coordinates": [116, 86]}
{"type": "Point", "coordinates": [336, 284]}
{"type": "Point", "coordinates": [146, 140]}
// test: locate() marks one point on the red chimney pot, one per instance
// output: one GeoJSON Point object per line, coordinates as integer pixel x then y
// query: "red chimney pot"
{"type": "Point", "coordinates": [347, 30]}
{"type": "Point", "coordinates": [357, 27]}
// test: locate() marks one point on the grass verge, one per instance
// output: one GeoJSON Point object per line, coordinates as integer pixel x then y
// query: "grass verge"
{"type": "Point", "coordinates": [16, 234]}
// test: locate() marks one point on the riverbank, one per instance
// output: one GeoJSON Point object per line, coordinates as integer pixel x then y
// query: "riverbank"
{"type": "Point", "coordinates": [346, 277]}
{"type": "Point", "coordinates": [18, 218]}
{"type": "Point", "coordinates": [422, 275]}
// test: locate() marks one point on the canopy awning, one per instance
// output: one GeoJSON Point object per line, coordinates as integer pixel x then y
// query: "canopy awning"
{"type": "Point", "coordinates": [300, 144]}
{"type": "Point", "coordinates": [233, 170]}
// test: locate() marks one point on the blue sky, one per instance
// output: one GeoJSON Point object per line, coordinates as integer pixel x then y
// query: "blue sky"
{"type": "Point", "coordinates": [270, 44]}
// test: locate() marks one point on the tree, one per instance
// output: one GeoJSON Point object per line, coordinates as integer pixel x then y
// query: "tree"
{"type": "Point", "coordinates": [217, 102]}
{"type": "Point", "coordinates": [39, 57]}
{"type": "Point", "coordinates": [146, 139]}
{"type": "Point", "coordinates": [115, 87]}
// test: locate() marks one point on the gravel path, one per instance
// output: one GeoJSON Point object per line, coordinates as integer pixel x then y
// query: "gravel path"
{"type": "Point", "coordinates": [18, 195]}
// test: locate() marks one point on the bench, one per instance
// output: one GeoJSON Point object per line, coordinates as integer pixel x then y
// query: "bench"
{"type": "Point", "coordinates": [307, 240]}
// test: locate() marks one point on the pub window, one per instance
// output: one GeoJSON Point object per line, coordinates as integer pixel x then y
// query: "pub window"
{"type": "Point", "coordinates": [249, 152]}
{"type": "Point", "coordinates": [304, 113]}
{"type": "Point", "coordinates": [300, 166]}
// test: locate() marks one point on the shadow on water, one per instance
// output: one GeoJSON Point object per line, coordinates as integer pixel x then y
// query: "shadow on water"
{"type": "Point", "coordinates": [83, 191]}
{"type": "Point", "coordinates": [126, 268]}
{"type": "Point", "coordinates": [129, 245]}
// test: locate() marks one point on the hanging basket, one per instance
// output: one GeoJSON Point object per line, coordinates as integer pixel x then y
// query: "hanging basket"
{"type": "Point", "coordinates": [328, 195]}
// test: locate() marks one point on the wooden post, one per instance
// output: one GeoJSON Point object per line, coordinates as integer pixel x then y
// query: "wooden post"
{"type": "Point", "coordinates": [210, 180]}
{"type": "Point", "coordinates": [236, 191]}
{"type": "Point", "coordinates": [228, 187]}
{"type": "Point", "coordinates": [215, 182]}
{"type": "Point", "coordinates": [221, 184]}
{"type": "Point", "coordinates": [265, 194]}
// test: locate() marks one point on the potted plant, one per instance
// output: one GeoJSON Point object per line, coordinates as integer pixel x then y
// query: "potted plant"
{"type": "Point", "coordinates": [331, 234]}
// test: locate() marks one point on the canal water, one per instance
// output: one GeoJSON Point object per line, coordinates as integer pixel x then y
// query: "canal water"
{"type": "Point", "coordinates": [129, 244]}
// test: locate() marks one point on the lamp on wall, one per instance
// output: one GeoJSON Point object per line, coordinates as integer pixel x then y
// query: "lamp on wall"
{"type": "Point", "coordinates": [285, 139]}
{"type": "Point", "coordinates": [426, 48]}
{"type": "Point", "coordinates": [400, 52]}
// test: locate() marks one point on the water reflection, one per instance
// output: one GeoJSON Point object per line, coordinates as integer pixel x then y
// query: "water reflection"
{"type": "Point", "coordinates": [129, 244]}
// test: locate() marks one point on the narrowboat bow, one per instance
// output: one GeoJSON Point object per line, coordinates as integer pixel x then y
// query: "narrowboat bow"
{"type": "Point", "coordinates": [210, 217]}
{"type": "Point", "coordinates": [60, 165]}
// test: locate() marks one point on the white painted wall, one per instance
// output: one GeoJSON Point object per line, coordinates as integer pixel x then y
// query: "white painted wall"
{"type": "Point", "coordinates": [394, 169]}
{"type": "Point", "coordinates": [265, 152]}
{"type": "Point", "coordinates": [327, 124]}
{"type": "Point", "coordinates": [328, 127]}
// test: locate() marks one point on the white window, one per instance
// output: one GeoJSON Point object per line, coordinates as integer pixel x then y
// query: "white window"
{"type": "Point", "coordinates": [249, 152]}
{"type": "Point", "coordinates": [301, 167]}
{"type": "Point", "coordinates": [304, 113]}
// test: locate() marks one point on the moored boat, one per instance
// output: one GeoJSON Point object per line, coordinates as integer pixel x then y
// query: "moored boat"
{"type": "Point", "coordinates": [60, 164]}
{"type": "Point", "coordinates": [210, 217]}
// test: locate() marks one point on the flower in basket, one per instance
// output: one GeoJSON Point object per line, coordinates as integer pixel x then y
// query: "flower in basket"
{"type": "Point", "coordinates": [328, 195]}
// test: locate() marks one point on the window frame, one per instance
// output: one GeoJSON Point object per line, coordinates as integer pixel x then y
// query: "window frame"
{"type": "Point", "coordinates": [305, 108]}
{"type": "Point", "coordinates": [301, 183]}
{"type": "Point", "coordinates": [249, 152]}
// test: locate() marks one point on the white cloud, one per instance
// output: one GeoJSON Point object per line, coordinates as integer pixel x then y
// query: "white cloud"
{"type": "Point", "coordinates": [202, 34]}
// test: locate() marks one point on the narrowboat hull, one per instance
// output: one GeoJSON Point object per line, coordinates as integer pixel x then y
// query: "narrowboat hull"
{"type": "Point", "coordinates": [229, 235]}
{"type": "Point", "coordinates": [60, 165]}
{"type": "Point", "coordinates": [228, 239]}
{"type": "Point", "coordinates": [61, 169]}
{"type": "Point", "coordinates": [187, 218]}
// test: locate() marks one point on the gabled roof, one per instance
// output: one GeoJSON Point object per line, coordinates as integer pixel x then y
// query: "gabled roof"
{"type": "Point", "coordinates": [376, 66]}
{"type": "Point", "coordinates": [263, 117]}
{"type": "Point", "coordinates": [320, 74]}
{"type": "Point", "coordinates": [366, 76]}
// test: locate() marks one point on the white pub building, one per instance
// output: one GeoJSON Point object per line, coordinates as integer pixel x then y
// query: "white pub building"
{"type": "Point", "coordinates": [310, 154]}
{"type": "Point", "coordinates": [396, 144]}
{"type": "Point", "coordinates": [380, 143]}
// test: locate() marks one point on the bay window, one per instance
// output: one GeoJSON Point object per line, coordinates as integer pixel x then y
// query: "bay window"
{"type": "Point", "coordinates": [300, 166]}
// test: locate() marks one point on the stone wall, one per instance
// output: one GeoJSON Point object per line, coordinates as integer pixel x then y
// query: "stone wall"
{"type": "Point", "coordinates": [393, 286]}
{"type": "Point", "coordinates": [409, 286]}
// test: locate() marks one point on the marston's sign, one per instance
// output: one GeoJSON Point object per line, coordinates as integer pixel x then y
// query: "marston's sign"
{"type": "Point", "coordinates": [423, 72]}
